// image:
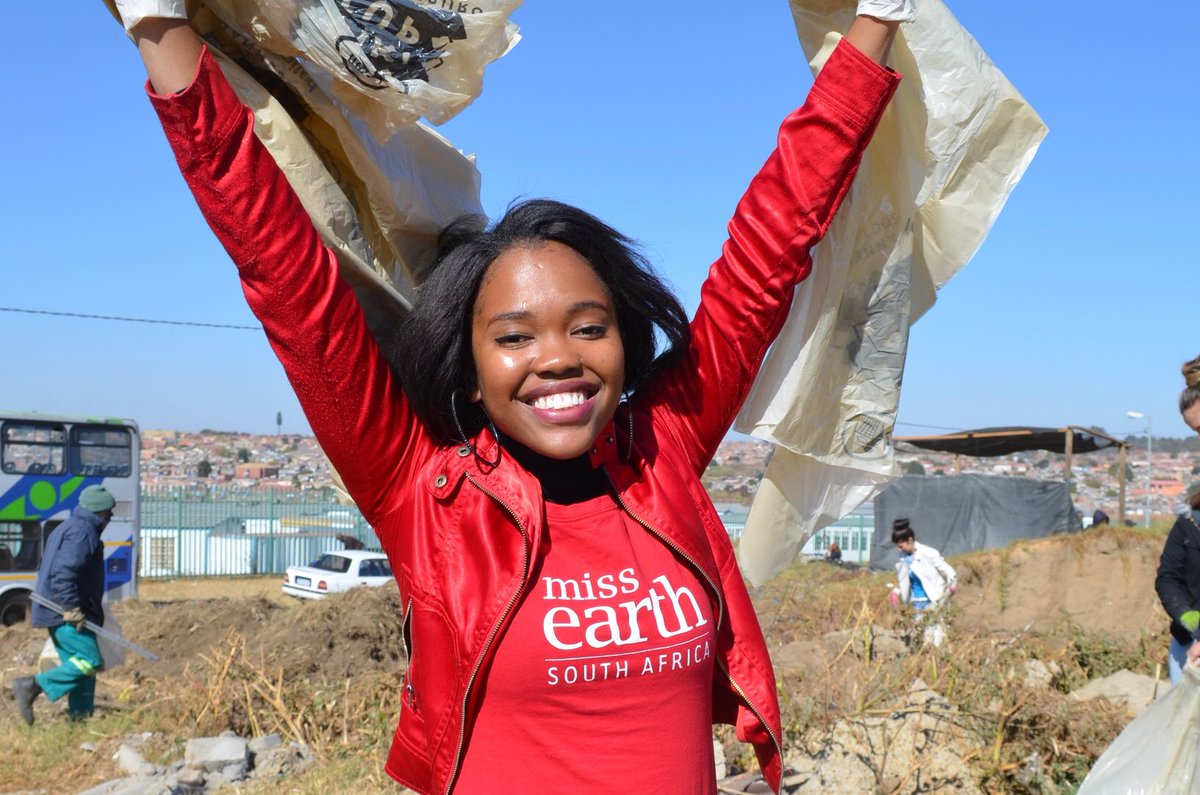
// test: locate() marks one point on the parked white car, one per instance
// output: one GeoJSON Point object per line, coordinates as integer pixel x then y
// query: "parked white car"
{"type": "Point", "coordinates": [337, 571]}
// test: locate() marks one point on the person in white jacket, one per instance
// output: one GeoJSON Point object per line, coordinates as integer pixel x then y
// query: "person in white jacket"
{"type": "Point", "coordinates": [923, 577]}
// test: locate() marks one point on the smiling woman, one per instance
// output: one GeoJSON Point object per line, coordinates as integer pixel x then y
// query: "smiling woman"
{"type": "Point", "coordinates": [533, 474]}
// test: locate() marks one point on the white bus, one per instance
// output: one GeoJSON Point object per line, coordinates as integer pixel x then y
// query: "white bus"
{"type": "Point", "coordinates": [45, 461]}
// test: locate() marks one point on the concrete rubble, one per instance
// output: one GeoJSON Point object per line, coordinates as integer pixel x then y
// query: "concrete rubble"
{"type": "Point", "coordinates": [916, 746]}
{"type": "Point", "coordinates": [209, 765]}
{"type": "Point", "coordinates": [1124, 688]}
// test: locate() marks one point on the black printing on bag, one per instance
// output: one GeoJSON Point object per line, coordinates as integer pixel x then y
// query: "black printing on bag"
{"type": "Point", "coordinates": [398, 40]}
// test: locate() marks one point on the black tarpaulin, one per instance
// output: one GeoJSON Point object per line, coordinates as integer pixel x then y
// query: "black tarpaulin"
{"type": "Point", "coordinates": [963, 513]}
{"type": "Point", "coordinates": [1002, 441]}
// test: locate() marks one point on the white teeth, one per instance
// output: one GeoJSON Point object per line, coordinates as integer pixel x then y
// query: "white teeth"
{"type": "Point", "coordinates": [562, 400]}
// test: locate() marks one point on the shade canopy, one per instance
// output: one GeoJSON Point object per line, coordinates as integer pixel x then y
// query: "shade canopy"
{"type": "Point", "coordinates": [1003, 441]}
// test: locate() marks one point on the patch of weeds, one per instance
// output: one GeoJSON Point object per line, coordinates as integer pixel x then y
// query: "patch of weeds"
{"type": "Point", "coordinates": [1004, 579]}
{"type": "Point", "coordinates": [1096, 656]}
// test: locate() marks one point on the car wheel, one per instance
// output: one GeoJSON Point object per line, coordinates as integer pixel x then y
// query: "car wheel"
{"type": "Point", "coordinates": [14, 607]}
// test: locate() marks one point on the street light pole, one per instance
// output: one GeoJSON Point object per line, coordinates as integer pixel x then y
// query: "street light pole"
{"type": "Point", "coordinates": [1137, 415]}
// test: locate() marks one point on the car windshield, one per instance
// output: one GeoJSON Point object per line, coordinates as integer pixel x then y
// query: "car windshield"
{"type": "Point", "coordinates": [332, 563]}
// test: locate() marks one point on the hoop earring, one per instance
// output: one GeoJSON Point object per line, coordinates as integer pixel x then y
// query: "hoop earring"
{"type": "Point", "coordinates": [463, 435]}
{"type": "Point", "coordinates": [628, 413]}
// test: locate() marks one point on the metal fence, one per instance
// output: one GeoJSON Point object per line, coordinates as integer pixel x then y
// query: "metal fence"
{"type": "Point", "coordinates": [852, 533]}
{"type": "Point", "coordinates": [215, 531]}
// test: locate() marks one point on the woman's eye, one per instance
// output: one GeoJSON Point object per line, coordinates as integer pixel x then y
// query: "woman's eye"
{"type": "Point", "coordinates": [592, 330]}
{"type": "Point", "coordinates": [510, 339]}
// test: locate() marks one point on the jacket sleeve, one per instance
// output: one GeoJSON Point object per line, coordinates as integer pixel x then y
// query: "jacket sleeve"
{"type": "Point", "coordinates": [786, 210]}
{"type": "Point", "coordinates": [1171, 580]}
{"type": "Point", "coordinates": [311, 317]}
{"type": "Point", "coordinates": [945, 569]}
{"type": "Point", "coordinates": [903, 586]}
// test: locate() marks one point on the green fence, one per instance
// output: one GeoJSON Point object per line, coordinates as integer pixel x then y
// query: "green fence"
{"type": "Point", "coordinates": [213, 531]}
{"type": "Point", "coordinates": [202, 531]}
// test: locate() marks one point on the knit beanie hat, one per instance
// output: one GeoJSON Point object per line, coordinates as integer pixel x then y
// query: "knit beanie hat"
{"type": "Point", "coordinates": [96, 499]}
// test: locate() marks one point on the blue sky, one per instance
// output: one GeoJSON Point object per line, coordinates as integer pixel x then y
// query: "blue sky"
{"type": "Point", "coordinates": [1074, 310]}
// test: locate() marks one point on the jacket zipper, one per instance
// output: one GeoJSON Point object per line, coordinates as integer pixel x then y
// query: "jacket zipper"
{"type": "Point", "coordinates": [404, 630]}
{"type": "Point", "coordinates": [720, 609]}
{"type": "Point", "coordinates": [462, 726]}
{"type": "Point", "coordinates": [409, 691]}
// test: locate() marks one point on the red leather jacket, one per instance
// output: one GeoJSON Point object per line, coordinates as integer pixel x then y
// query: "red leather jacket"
{"type": "Point", "coordinates": [460, 535]}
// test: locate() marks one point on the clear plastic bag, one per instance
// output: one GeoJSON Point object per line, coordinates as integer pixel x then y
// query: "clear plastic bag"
{"type": "Point", "coordinates": [113, 654]}
{"type": "Point", "coordinates": [1159, 752]}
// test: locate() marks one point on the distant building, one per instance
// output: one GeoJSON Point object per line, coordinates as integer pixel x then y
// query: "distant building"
{"type": "Point", "coordinates": [257, 471]}
{"type": "Point", "coordinates": [1167, 488]}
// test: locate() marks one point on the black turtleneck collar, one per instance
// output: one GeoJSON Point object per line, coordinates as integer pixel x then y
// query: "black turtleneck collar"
{"type": "Point", "coordinates": [563, 482]}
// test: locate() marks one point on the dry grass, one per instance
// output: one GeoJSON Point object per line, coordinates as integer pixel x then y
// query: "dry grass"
{"type": "Point", "coordinates": [1005, 718]}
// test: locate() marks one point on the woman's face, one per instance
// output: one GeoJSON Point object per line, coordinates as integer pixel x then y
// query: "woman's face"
{"type": "Point", "coordinates": [1191, 415]}
{"type": "Point", "coordinates": [549, 362]}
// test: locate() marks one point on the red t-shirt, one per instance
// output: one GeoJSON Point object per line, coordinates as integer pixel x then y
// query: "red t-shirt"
{"type": "Point", "coordinates": [604, 676]}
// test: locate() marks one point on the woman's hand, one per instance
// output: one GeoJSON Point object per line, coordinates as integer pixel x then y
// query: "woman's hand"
{"type": "Point", "coordinates": [1193, 653]}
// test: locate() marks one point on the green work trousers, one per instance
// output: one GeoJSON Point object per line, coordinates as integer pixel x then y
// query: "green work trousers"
{"type": "Point", "coordinates": [76, 677]}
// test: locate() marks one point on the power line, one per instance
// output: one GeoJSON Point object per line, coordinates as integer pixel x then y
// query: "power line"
{"type": "Point", "coordinates": [127, 319]}
{"type": "Point", "coordinates": [931, 427]}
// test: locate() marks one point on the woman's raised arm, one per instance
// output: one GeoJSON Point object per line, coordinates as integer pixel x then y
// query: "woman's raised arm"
{"type": "Point", "coordinates": [169, 48]}
{"type": "Point", "coordinates": [288, 275]}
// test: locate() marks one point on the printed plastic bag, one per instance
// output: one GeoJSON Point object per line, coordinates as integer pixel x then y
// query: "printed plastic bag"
{"type": "Point", "coordinates": [947, 153]}
{"type": "Point", "coordinates": [1159, 752]}
{"type": "Point", "coordinates": [388, 61]}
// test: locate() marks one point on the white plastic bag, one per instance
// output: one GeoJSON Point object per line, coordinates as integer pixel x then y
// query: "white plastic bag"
{"type": "Point", "coordinates": [48, 660]}
{"type": "Point", "coordinates": [943, 161]}
{"type": "Point", "coordinates": [1159, 752]}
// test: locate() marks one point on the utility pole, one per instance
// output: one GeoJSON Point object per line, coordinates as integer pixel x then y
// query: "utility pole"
{"type": "Point", "coordinates": [1138, 415]}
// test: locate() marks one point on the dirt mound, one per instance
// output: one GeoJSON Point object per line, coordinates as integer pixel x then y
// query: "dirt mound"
{"type": "Point", "coordinates": [341, 636]}
{"type": "Point", "coordinates": [1100, 580]}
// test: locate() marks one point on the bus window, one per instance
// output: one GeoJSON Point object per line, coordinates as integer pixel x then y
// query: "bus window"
{"type": "Point", "coordinates": [34, 448]}
{"type": "Point", "coordinates": [101, 451]}
{"type": "Point", "coordinates": [20, 546]}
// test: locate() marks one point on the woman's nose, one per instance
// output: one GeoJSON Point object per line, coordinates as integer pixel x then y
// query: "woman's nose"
{"type": "Point", "coordinates": [558, 356]}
